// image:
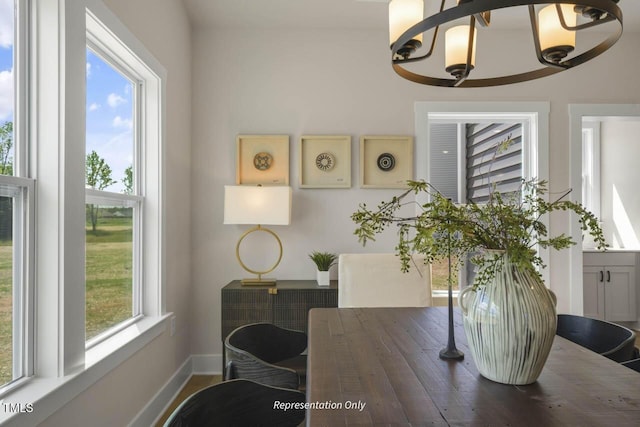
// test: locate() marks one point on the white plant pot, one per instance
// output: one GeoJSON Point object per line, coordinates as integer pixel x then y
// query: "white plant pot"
{"type": "Point", "coordinates": [322, 277]}
{"type": "Point", "coordinates": [510, 324]}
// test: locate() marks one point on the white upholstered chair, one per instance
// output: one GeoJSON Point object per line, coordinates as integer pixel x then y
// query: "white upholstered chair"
{"type": "Point", "coordinates": [376, 280]}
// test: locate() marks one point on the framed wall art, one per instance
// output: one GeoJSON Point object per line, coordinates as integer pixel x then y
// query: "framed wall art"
{"type": "Point", "coordinates": [325, 161]}
{"type": "Point", "coordinates": [262, 159]}
{"type": "Point", "coordinates": [386, 161]}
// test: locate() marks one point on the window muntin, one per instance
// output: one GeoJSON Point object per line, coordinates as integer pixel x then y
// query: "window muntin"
{"type": "Point", "coordinates": [113, 207]}
{"type": "Point", "coordinates": [591, 167]}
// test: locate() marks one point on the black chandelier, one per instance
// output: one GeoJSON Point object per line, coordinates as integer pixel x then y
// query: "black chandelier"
{"type": "Point", "coordinates": [554, 29]}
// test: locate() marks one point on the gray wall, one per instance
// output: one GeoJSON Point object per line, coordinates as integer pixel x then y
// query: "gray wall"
{"type": "Point", "coordinates": [297, 82]}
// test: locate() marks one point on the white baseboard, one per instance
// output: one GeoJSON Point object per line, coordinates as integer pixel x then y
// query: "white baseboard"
{"type": "Point", "coordinates": [156, 407]}
{"type": "Point", "coordinates": [210, 364]}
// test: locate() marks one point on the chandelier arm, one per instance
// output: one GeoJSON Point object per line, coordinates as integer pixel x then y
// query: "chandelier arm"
{"type": "Point", "coordinates": [595, 51]}
{"type": "Point", "coordinates": [435, 35]}
{"type": "Point", "coordinates": [513, 78]}
{"type": "Point", "coordinates": [401, 60]}
{"type": "Point", "coordinates": [484, 18]}
{"type": "Point", "coordinates": [433, 42]}
{"type": "Point", "coordinates": [563, 22]}
{"type": "Point", "coordinates": [592, 23]}
{"type": "Point", "coordinates": [493, 81]}
{"type": "Point", "coordinates": [480, 6]}
{"type": "Point", "coordinates": [588, 24]}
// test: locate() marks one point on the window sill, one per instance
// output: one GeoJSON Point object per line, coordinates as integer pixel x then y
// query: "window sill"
{"type": "Point", "coordinates": [47, 395]}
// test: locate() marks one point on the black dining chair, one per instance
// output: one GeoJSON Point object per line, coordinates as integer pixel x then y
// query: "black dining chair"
{"type": "Point", "coordinates": [268, 354]}
{"type": "Point", "coordinates": [240, 403]}
{"type": "Point", "coordinates": [608, 339]}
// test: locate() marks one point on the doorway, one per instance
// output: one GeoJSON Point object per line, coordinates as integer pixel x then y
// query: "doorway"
{"type": "Point", "coordinates": [434, 119]}
{"type": "Point", "coordinates": [581, 118]}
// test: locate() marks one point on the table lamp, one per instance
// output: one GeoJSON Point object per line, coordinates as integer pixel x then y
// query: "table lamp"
{"type": "Point", "coordinates": [257, 205]}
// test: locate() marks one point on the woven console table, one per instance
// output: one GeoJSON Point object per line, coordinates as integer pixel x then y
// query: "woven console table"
{"type": "Point", "coordinates": [286, 305]}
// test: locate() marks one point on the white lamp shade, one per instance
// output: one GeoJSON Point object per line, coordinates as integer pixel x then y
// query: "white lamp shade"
{"type": "Point", "coordinates": [550, 30]}
{"type": "Point", "coordinates": [404, 14]}
{"type": "Point", "coordinates": [244, 204]}
{"type": "Point", "coordinates": [456, 43]}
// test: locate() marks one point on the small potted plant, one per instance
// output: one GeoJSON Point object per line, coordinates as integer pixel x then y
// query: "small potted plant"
{"type": "Point", "coordinates": [323, 261]}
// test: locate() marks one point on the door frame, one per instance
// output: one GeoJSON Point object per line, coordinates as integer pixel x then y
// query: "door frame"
{"type": "Point", "coordinates": [576, 113]}
{"type": "Point", "coordinates": [535, 118]}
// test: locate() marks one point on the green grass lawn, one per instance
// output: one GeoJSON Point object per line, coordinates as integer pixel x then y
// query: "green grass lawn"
{"type": "Point", "coordinates": [108, 284]}
{"type": "Point", "coordinates": [109, 274]}
{"type": "Point", "coordinates": [6, 261]}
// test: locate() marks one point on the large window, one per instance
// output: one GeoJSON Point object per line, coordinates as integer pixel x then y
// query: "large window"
{"type": "Point", "coordinates": [123, 180]}
{"type": "Point", "coordinates": [112, 205]}
{"type": "Point", "coordinates": [89, 157]}
{"type": "Point", "coordinates": [16, 191]}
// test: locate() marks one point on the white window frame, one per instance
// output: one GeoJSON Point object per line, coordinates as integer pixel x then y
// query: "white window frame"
{"type": "Point", "coordinates": [103, 48]}
{"type": "Point", "coordinates": [21, 191]}
{"type": "Point", "coordinates": [148, 77]}
{"type": "Point", "coordinates": [20, 188]}
{"type": "Point", "coordinates": [591, 165]}
{"type": "Point", "coordinates": [535, 145]}
{"type": "Point", "coordinates": [64, 368]}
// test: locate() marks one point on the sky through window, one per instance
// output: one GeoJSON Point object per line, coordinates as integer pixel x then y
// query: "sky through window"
{"type": "Point", "coordinates": [110, 106]}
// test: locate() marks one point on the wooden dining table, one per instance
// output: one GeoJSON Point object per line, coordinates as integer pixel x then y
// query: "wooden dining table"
{"type": "Point", "coordinates": [381, 366]}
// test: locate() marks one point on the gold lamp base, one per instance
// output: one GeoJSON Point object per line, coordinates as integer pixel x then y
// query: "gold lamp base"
{"type": "Point", "coordinates": [259, 281]}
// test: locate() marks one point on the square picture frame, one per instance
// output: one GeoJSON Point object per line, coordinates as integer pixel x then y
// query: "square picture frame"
{"type": "Point", "coordinates": [325, 161]}
{"type": "Point", "coordinates": [386, 161]}
{"type": "Point", "coordinates": [262, 159]}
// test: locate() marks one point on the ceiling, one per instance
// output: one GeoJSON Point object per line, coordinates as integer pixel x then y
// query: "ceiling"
{"type": "Point", "coordinates": [340, 14]}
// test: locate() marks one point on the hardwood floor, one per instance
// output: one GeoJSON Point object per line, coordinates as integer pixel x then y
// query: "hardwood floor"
{"type": "Point", "coordinates": [195, 383]}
